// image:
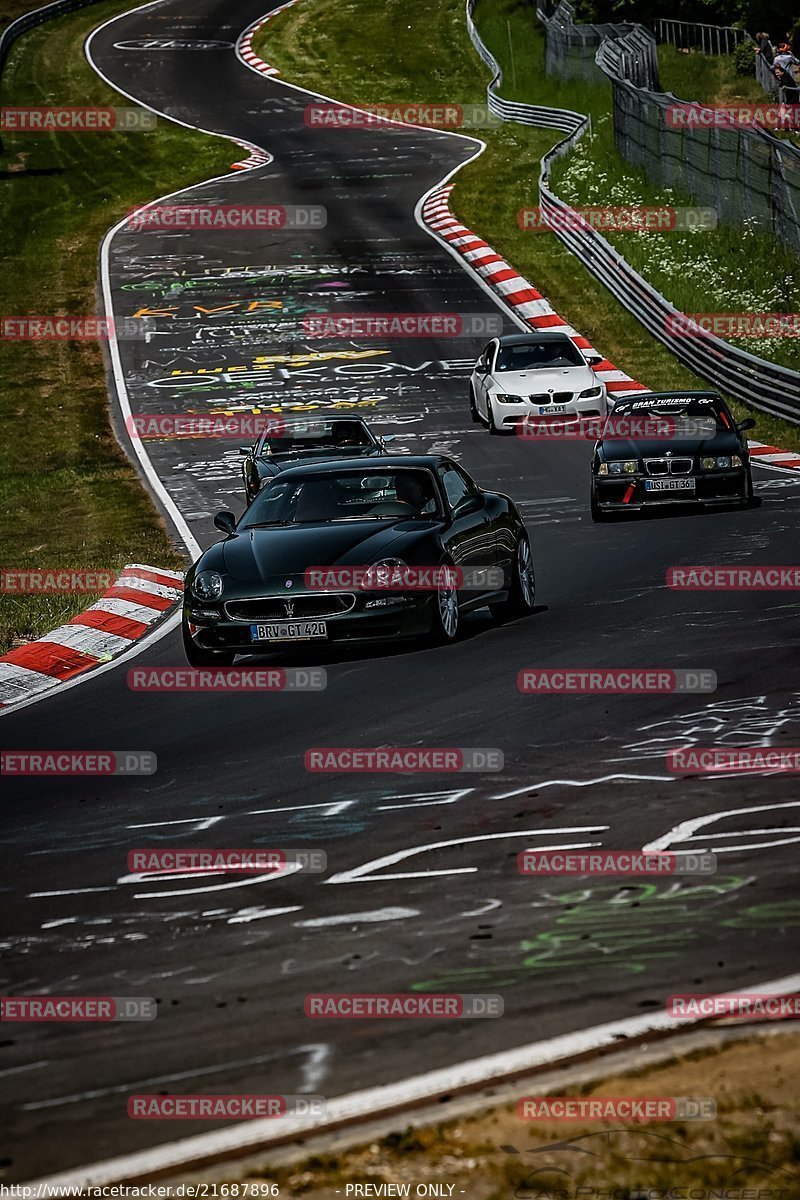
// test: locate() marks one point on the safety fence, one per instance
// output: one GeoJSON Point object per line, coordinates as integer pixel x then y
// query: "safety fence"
{"type": "Point", "coordinates": [509, 110]}
{"type": "Point", "coordinates": [764, 385]}
{"type": "Point", "coordinates": [743, 171]}
{"type": "Point", "coordinates": [713, 39]}
{"type": "Point", "coordinates": [691, 35]}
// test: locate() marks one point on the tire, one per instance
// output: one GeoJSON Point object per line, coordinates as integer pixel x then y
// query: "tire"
{"type": "Point", "coordinates": [445, 614]}
{"type": "Point", "coordinates": [522, 593]}
{"type": "Point", "coordinates": [598, 516]}
{"type": "Point", "coordinates": [197, 657]}
{"type": "Point", "coordinates": [473, 408]}
{"type": "Point", "coordinates": [490, 418]}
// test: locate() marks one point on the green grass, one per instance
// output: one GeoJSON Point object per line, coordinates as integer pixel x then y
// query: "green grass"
{"type": "Point", "coordinates": [70, 497]}
{"type": "Point", "coordinates": [370, 51]}
{"type": "Point", "coordinates": [709, 78]}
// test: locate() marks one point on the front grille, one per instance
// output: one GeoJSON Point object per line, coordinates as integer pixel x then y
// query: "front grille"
{"type": "Point", "coordinates": [552, 398]}
{"type": "Point", "coordinates": [282, 608]}
{"type": "Point", "coordinates": [668, 466]}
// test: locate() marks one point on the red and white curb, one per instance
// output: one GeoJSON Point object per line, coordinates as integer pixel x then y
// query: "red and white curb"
{"type": "Point", "coordinates": [513, 290]}
{"type": "Point", "coordinates": [774, 456]}
{"type": "Point", "coordinates": [536, 311]}
{"type": "Point", "coordinates": [139, 598]}
{"type": "Point", "coordinates": [246, 42]}
{"type": "Point", "coordinates": [255, 157]}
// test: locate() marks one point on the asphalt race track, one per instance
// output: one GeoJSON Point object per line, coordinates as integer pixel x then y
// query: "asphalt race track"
{"type": "Point", "coordinates": [231, 960]}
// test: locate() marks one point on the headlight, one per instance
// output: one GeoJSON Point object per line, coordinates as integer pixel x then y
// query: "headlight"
{"type": "Point", "coordinates": [387, 575]}
{"type": "Point", "coordinates": [629, 467]}
{"type": "Point", "coordinates": [504, 398]}
{"type": "Point", "coordinates": [207, 585]}
{"type": "Point", "coordinates": [590, 393]}
{"type": "Point", "coordinates": [723, 463]}
{"type": "Point", "coordinates": [602, 469]}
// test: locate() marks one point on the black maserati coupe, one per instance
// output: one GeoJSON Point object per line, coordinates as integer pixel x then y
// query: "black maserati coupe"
{"type": "Point", "coordinates": [350, 551]}
{"type": "Point", "coordinates": [306, 440]}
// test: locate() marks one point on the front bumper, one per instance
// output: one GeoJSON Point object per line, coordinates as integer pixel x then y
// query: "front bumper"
{"type": "Point", "coordinates": [510, 415]}
{"type": "Point", "coordinates": [406, 615]}
{"type": "Point", "coordinates": [628, 493]}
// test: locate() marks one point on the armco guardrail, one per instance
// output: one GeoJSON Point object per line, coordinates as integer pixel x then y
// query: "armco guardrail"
{"type": "Point", "coordinates": [509, 110]}
{"type": "Point", "coordinates": [762, 384]}
{"type": "Point", "coordinates": [30, 20]}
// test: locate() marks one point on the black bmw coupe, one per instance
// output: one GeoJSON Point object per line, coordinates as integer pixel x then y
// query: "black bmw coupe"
{"type": "Point", "coordinates": [670, 448]}
{"type": "Point", "coordinates": [306, 440]}
{"type": "Point", "coordinates": [351, 551]}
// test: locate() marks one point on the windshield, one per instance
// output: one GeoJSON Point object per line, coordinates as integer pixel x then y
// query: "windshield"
{"type": "Point", "coordinates": [401, 493]}
{"type": "Point", "coordinates": [687, 418]}
{"type": "Point", "coordinates": [318, 436]}
{"type": "Point", "coordinates": [533, 356]}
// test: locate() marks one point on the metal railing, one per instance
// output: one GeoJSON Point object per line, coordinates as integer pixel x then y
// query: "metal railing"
{"type": "Point", "coordinates": [30, 20]}
{"type": "Point", "coordinates": [756, 381]}
{"type": "Point", "coordinates": [711, 39]}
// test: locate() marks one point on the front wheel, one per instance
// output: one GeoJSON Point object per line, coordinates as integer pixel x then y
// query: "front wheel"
{"type": "Point", "coordinates": [445, 618]}
{"type": "Point", "coordinates": [490, 417]}
{"type": "Point", "coordinates": [196, 656]}
{"type": "Point", "coordinates": [522, 592]}
{"type": "Point", "coordinates": [473, 407]}
{"type": "Point", "coordinates": [597, 513]}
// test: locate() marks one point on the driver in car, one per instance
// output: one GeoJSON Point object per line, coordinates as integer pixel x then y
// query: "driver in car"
{"type": "Point", "coordinates": [416, 491]}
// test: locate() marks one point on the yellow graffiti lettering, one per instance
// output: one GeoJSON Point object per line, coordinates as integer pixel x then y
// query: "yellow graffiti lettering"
{"type": "Point", "coordinates": [155, 312]}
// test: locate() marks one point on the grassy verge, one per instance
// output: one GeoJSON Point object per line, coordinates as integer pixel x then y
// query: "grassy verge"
{"type": "Point", "coordinates": [751, 1149]}
{"type": "Point", "coordinates": [370, 52]}
{"type": "Point", "coordinates": [709, 78]}
{"type": "Point", "coordinates": [70, 498]}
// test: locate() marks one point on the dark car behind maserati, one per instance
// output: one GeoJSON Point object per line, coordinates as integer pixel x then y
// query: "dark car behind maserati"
{"type": "Point", "coordinates": [307, 440]}
{"type": "Point", "coordinates": [670, 448]}
{"type": "Point", "coordinates": [432, 542]}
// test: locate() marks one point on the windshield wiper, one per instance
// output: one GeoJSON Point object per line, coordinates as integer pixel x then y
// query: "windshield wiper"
{"type": "Point", "coordinates": [264, 524]}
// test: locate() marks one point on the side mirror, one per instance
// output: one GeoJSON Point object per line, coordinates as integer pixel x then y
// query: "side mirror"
{"type": "Point", "coordinates": [593, 359]}
{"type": "Point", "coordinates": [225, 521]}
{"type": "Point", "coordinates": [481, 368]}
{"type": "Point", "coordinates": [747, 423]}
{"type": "Point", "coordinates": [245, 449]}
{"type": "Point", "coordinates": [385, 438]}
{"type": "Point", "coordinates": [469, 504]}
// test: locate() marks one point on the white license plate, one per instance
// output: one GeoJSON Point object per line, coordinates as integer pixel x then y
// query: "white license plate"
{"type": "Point", "coordinates": [669, 485]}
{"type": "Point", "coordinates": [289, 631]}
{"type": "Point", "coordinates": [552, 408]}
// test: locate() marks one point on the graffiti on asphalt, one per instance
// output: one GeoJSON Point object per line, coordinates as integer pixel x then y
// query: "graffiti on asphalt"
{"type": "Point", "coordinates": [607, 930]}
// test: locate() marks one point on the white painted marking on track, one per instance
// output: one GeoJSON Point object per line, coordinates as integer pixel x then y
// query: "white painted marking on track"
{"type": "Point", "coordinates": [358, 918]}
{"type": "Point", "coordinates": [684, 831]}
{"type": "Point", "coordinates": [532, 787]}
{"type": "Point", "coordinates": [246, 915]}
{"type": "Point", "coordinates": [366, 871]}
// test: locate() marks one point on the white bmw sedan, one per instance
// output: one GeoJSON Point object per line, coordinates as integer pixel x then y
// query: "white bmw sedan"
{"type": "Point", "coordinates": [526, 375]}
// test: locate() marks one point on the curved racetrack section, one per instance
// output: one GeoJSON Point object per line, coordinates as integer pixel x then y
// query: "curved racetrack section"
{"type": "Point", "coordinates": [230, 961]}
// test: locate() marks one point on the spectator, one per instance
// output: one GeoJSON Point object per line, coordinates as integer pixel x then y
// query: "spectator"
{"type": "Point", "coordinates": [765, 48]}
{"type": "Point", "coordinates": [782, 66]}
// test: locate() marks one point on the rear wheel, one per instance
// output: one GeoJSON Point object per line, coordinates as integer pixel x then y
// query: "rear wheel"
{"type": "Point", "coordinates": [522, 592]}
{"type": "Point", "coordinates": [196, 656]}
{"type": "Point", "coordinates": [445, 619]}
